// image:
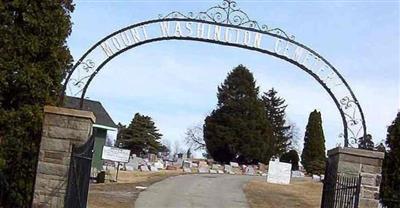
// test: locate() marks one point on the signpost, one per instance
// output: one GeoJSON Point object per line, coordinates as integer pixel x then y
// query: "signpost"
{"type": "Point", "coordinates": [116, 154]}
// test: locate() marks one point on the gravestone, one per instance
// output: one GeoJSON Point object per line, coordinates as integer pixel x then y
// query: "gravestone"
{"type": "Point", "coordinates": [228, 169]}
{"type": "Point", "coordinates": [237, 170]}
{"type": "Point", "coordinates": [187, 170]}
{"type": "Point", "coordinates": [215, 166]}
{"type": "Point", "coordinates": [203, 163]}
{"type": "Point", "coordinates": [250, 170]}
{"type": "Point", "coordinates": [316, 178]}
{"type": "Point", "coordinates": [204, 169]}
{"type": "Point", "coordinates": [187, 164]}
{"type": "Point", "coordinates": [159, 165]}
{"type": "Point", "coordinates": [134, 163]}
{"type": "Point", "coordinates": [152, 157]}
{"type": "Point", "coordinates": [279, 172]}
{"type": "Point", "coordinates": [213, 171]}
{"type": "Point", "coordinates": [297, 174]}
{"type": "Point", "coordinates": [153, 169]}
{"type": "Point", "coordinates": [234, 164]}
{"type": "Point", "coordinates": [144, 168]}
{"type": "Point", "coordinates": [179, 162]}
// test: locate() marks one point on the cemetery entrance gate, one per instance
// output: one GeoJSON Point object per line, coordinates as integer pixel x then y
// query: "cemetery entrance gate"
{"type": "Point", "coordinates": [79, 174]}
{"type": "Point", "coordinates": [340, 191]}
{"type": "Point", "coordinates": [227, 25]}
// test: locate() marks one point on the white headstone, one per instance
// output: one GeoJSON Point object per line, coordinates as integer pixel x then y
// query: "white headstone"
{"type": "Point", "coordinates": [228, 169]}
{"type": "Point", "coordinates": [152, 168]}
{"type": "Point", "coordinates": [159, 165]}
{"type": "Point", "coordinates": [234, 164]}
{"type": "Point", "coordinates": [215, 167]}
{"type": "Point", "coordinates": [129, 168]}
{"type": "Point", "coordinates": [279, 172]}
{"type": "Point", "coordinates": [203, 169]}
{"type": "Point", "coordinates": [316, 177]}
{"type": "Point", "coordinates": [179, 162]}
{"type": "Point", "coordinates": [297, 173]}
{"type": "Point", "coordinates": [250, 170]}
{"type": "Point", "coordinates": [187, 164]}
{"type": "Point", "coordinates": [144, 168]}
{"type": "Point", "coordinates": [213, 171]}
{"type": "Point", "coordinates": [187, 170]}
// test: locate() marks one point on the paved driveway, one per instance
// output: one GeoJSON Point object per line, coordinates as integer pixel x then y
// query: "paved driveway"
{"type": "Point", "coordinates": [199, 190]}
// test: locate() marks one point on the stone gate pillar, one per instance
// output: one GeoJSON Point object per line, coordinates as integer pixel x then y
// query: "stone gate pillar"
{"type": "Point", "coordinates": [368, 164]}
{"type": "Point", "coordinates": [62, 128]}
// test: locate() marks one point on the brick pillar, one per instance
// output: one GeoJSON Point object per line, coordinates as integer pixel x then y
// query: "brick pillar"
{"type": "Point", "coordinates": [62, 128]}
{"type": "Point", "coordinates": [367, 163]}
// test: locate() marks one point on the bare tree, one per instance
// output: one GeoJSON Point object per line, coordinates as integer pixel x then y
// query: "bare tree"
{"type": "Point", "coordinates": [166, 147]}
{"type": "Point", "coordinates": [167, 144]}
{"type": "Point", "coordinates": [177, 147]}
{"type": "Point", "coordinates": [194, 137]}
{"type": "Point", "coordinates": [294, 134]}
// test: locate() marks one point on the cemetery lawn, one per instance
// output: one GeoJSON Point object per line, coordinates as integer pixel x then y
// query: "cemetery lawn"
{"type": "Point", "coordinates": [124, 193]}
{"type": "Point", "coordinates": [301, 193]}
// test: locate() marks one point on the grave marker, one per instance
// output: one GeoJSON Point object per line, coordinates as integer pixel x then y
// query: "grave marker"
{"type": "Point", "coordinates": [279, 172]}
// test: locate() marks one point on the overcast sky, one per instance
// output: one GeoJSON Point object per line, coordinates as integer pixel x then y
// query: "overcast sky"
{"type": "Point", "coordinates": [175, 82]}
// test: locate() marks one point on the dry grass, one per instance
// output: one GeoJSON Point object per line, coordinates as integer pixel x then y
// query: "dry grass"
{"type": "Point", "coordinates": [301, 193]}
{"type": "Point", "coordinates": [124, 193]}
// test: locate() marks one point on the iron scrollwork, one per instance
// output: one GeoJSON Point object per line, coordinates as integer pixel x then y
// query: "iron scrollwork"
{"type": "Point", "coordinates": [352, 118]}
{"type": "Point", "coordinates": [79, 81]}
{"type": "Point", "coordinates": [88, 65]}
{"type": "Point", "coordinates": [228, 13]}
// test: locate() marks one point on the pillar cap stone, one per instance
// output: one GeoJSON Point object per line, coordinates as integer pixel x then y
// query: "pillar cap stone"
{"type": "Point", "coordinates": [356, 152]}
{"type": "Point", "coordinates": [70, 112]}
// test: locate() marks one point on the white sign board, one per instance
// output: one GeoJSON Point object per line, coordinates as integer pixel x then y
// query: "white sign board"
{"type": "Point", "coordinates": [115, 154]}
{"type": "Point", "coordinates": [279, 172]}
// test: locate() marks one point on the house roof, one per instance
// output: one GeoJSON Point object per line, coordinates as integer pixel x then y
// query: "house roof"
{"type": "Point", "coordinates": [102, 117]}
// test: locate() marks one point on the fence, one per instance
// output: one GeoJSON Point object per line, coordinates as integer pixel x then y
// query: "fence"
{"type": "Point", "coordinates": [79, 175]}
{"type": "Point", "coordinates": [343, 192]}
{"type": "Point", "coordinates": [340, 191]}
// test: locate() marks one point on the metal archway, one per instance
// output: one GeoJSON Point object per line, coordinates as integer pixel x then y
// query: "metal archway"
{"type": "Point", "coordinates": [227, 25]}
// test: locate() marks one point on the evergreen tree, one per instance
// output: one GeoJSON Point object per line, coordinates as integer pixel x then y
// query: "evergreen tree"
{"type": "Point", "coordinates": [291, 157]}
{"type": "Point", "coordinates": [141, 136]}
{"type": "Point", "coordinates": [188, 153]}
{"type": "Point", "coordinates": [275, 109]}
{"type": "Point", "coordinates": [366, 142]}
{"type": "Point", "coordinates": [121, 132]}
{"type": "Point", "coordinates": [238, 129]}
{"type": "Point", "coordinates": [313, 156]}
{"type": "Point", "coordinates": [33, 60]}
{"type": "Point", "coordinates": [390, 185]}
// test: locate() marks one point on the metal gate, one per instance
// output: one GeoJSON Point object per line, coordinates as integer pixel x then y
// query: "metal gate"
{"type": "Point", "coordinates": [340, 191]}
{"type": "Point", "coordinates": [79, 175]}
